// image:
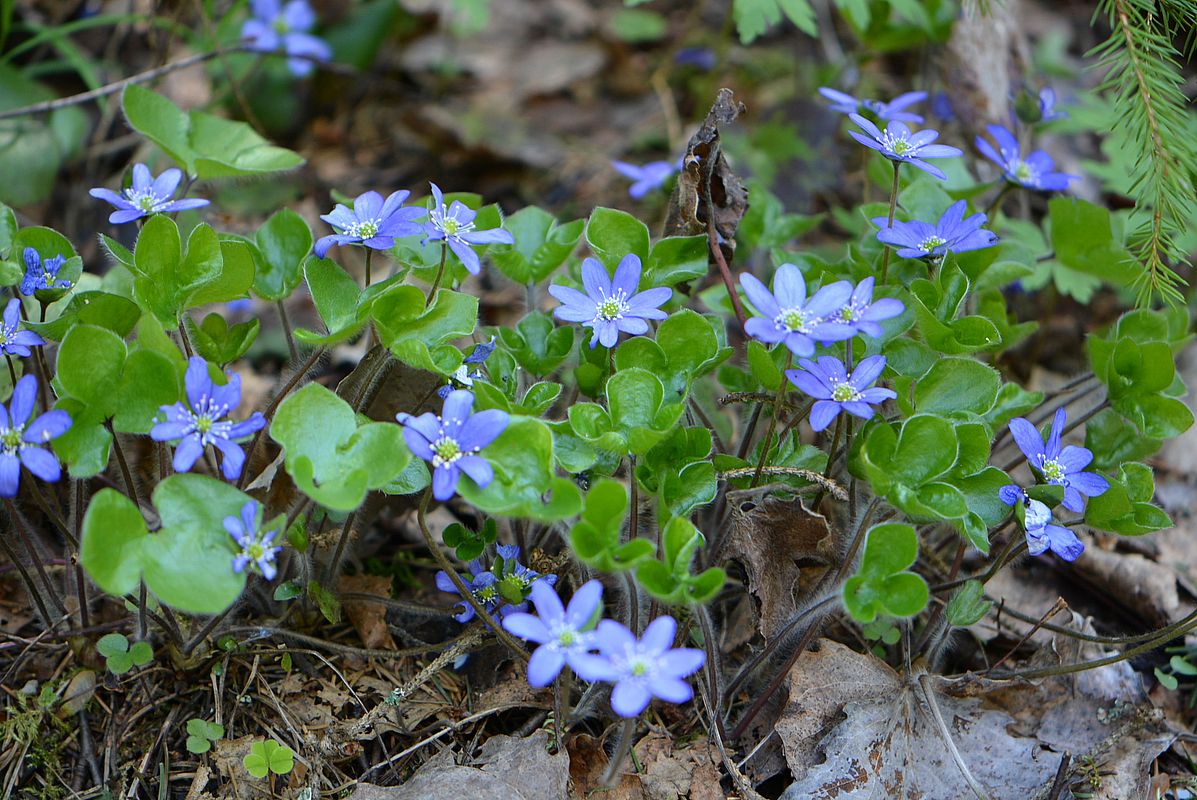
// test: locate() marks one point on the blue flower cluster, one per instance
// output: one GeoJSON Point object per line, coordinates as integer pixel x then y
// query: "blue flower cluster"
{"type": "Point", "coordinates": [639, 669]}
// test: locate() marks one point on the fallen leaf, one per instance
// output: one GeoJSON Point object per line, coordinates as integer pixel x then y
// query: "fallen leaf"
{"type": "Point", "coordinates": [855, 728]}
{"type": "Point", "coordinates": [587, 764]}
{"type": "Point", "coordinates": [775, 540]}
{"type": "Point", "coordinates": [508, 767]}
{"type": "Point", "coordinates": [369, 619]}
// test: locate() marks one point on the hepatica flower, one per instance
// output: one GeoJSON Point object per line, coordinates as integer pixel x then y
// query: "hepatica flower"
{"type": "Point", "coordinates": [466, 374]}
{"type": "Point", "coordinates": [147, 195]}
{"type": "Point", "coordinates": [454, 224]}
{"type": "Point", "coordinates": [893, 110]}
{"type": "Point", "coordinates": [15, 342]}
{"type": "Point", "coordinates": [835, 390]}
{"type": "Point", "coordinates": [1061, 466]}
{"type": "Point", "coordinates": [1042, 534]}
{"type": "Point", "coordinates": [277, 26]}
{"type": "Point", "coordinates": [647, 178]}
{"type": "Point", "coordinates": [611, 305]}
{"type": "Point", "coordinates": [201, 421]}
{"type": "Point", "coordinates": [1047, 106]}
{"type": "Point", "coordinates": [646, 668]}
{"type": "Point", "coordinates": [257, 553]}
{"type": "Point", "coordinates": [1034, 172]}
{"type": "Point", "coordinates": [953, 233]}
{"type": "Point", "coordinates": [497, 589]}
{"type": "Point", "coordinates": [372, 222]}
{"type": "Point", "coordinates": [560, 632]}
{"type": "Point", "coordinates": [451, 442]}
{"type": "Point", "coordinates": [40, 275]}
{"type": "Point", "coordinates": [864, 314]}
{"type": "Point", "coordinates": [786, 315]}
{"type": "Point", "coordinates": [898, 143]}
{"type": "Point", "coordinates": [22, 439]}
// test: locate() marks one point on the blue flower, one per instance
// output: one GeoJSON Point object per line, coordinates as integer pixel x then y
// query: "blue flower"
{"type": "Point", "coordinates": [561, 633]}
{"type": "Point", "coordinates": [703, 58]}
{"type": "Point", "coordinates": [1058, 466]}
{"type": "Point", "coordinates": [464, 377]}
{"type": "Point", "coordinates": [834, 390]}
{"type": "Point", "coordinates": [455, 224]}
{"type": "Point", "coordinates": [1041, 533]}
{"type": "Point", "coordinates": [898, 143]}
{"type": "Point", "coordinates": [201, 421]}
{"type": "Point", "coordinates": [893, 110]}
{"type": "Point", "coordinates": [611, 305]}
{"type": "Point", "coordinates": [256, 551]}
{"type": "Point", "coordinates": [12, 341]}
{"type": "Point", "coordinates": [41, 275]}
{"type": "Point", "coordinates": [501, 589]}
{"type": "Point", "coordinates": [372, 222]}
{"type": "Point", "coordinates": [451, 442]}
{"type": "Point", "coordinates": [1033, 172]}
{"type": "Point", "coordinates": [652, 175]}
{"type": "Point", "coordinates": [147, 195]}
{"type": "Point", "coordinates": [648, 668]}
{"type": "Point", "coordinates": [953, 233]}
{"type": "Point", "coordinates": [785, 315]}
{"type": "Point", "coordinates": [21, 440]}
{"type": "Point", "coordinates": [1047, 106]}
{"type": "Point", "coordinates": [862, 313]}
{"type": "Point", "coordinates": [275, 26]}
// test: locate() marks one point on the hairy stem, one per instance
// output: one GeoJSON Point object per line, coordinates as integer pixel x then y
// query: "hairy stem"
{"type": "Point", "coordinates": [781, 390]}
{"type": "Point", "coordinates": [893, 207]}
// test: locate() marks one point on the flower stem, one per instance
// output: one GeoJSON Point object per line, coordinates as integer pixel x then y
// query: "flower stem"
{"type": "Point", "coordinates": [781, 390]}
{"type": "Point", "coordinates": [440, 273]}
{"type": "Point", "coordinates": [622, 748]}
{"type": "Point", "coordinates": [12, 371]}
{"type": "Point", "coordinates": [269, 413]}
{"type": "Point", "coordinates": [369, 257]}
{"type": "Point", "coordinates": [334, 566]}
{"type": "Point", "coordinates": [997, 201]}
{"type": "Point", "coordinates": [126, 475]}
{"type": "Point", "coordinates": [282, 315]}
{"type": "Point", "coordinates": [20, 523]}
{"type": "Point", "coordinates": [893, 205]}
{"type": "Point", "coordinates": [184, 340]}
{"type": "Point", "coordinates": [466, 595]}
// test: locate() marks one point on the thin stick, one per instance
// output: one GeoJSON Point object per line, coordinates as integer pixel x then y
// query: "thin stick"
{"type": "Point", "coordinates": [19, 522]}
{"type": "Point", "coordinates": [334, 566]}
{"type": "Point", "coordinates": [946, 735]}
{"type": "Point", "coordinates": [622, 747]}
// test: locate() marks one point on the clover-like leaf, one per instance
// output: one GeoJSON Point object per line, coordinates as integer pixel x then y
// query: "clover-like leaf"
{"type": "Point", "coordinates": [524, 483]}
{"type": "Point", "coordinates": [882, 584]}
{"type": "Point", "coordinates": [595, 537]}
{"type": "Point", "coordinates": [268, 756]}
{"type": "Point", "coordinates": [187, 564]}
{"type": "Point", "coordinates": [670, 579]}
{"type": "Point", "coordinates": [419, 335]}
{"type": "Point", "coordinates": [332, 458]}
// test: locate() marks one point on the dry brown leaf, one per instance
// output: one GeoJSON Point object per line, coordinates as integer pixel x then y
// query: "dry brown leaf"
{"type": "Point", "coordinates": [587, 763]}
{"type": "Point", "coordinates": [369, 619]}
{"type": "Point", "coordinates": [877, 736]}
{"type": "Point", "coordinates": [775, 540]}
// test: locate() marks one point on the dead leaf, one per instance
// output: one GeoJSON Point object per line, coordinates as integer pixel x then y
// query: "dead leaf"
{"type": "Point", "coordinates": [704, 166]}
{"type": "Point", "coordinates": [508, 767]}
{"type": "Point", "coordinates": [776, 540]}
{"type": "Point", "coordinates": [877, 735]}
{"type": "Point", "coordinates": [1133, 582]}
{"type": "Point", "coordinates": [587, 763]}
{"type": "Point", "coordinates": [669, 773]}
{"type": "Point", "coordinates": [369, 619]}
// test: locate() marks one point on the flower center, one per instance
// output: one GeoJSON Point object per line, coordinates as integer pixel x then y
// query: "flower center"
{"type": "Point", "coordinates": [203, 423]}
{"type": "Point", "coordinates": [793, 319]}
{"type": "Point", "coordinates": [280, 25]}
{"type": "Point", "coordinates": [844, 393]}
{"type": "Point", "coordinates": [1024, 173]}
{"type": "Point", "coordinates": [487, 595]}
{"type": "Point", "coordinates": [451, 226]}
{"type": "Point", "coordinates": [10, 439]}
{"type": "Point", "coordinates": [1053, 471]}
{"type": "Point", "coordinates": [898, 146]}
{"type": "Point", "coordinates": [367, 229]}
{"type": "Point", "coordinates": [567, 638]}
{"type": "Point", "coordinates": [613, 306]}
{"type": "Point", "coordinates": [145, 201]}
{"type": "Point", "coordinates": [445, 451]}
{"type": "Point", "coordinates": [931, 242]}
{"type": "Point", "coordinates": [848, 313]}
{"type": "Point", "coordinates": [638, 667]}
{"type": "Point", "coordinates": [255, 551]}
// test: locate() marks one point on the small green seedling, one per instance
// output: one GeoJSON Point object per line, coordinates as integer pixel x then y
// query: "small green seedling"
{"type": "Point", "coordinates": [120, 657]}
{"type": "Point", "coordinates": [201, 734]}
{"type": "Point", "coordinates": [268, 756]}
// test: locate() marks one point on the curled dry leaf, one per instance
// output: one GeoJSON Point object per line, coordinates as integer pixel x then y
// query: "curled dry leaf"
{"type": "Point", "coordinates": [369, 619]}
{"type": "Point", "coordinates": [783, 547]}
